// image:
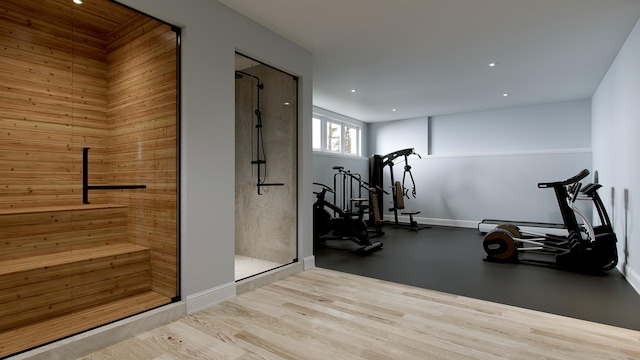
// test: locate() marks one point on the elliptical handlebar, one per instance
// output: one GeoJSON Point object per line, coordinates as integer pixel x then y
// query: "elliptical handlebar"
{"type": "Point", "coordinates": [581, 175]}
{"type": "Point", "coordinates": [574, 191]}
{"type": "Point", "coordinates": [591, 189]}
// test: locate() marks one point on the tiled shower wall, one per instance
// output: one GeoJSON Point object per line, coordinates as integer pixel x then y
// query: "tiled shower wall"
{"type": "Point", "coordinates": [266, 224]}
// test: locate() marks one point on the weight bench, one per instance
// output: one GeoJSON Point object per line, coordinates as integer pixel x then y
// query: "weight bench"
{"type": "Point", "coordinates": [398, 202]}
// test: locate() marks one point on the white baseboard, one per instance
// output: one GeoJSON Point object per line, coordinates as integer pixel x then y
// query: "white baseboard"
{"type": "Point", "coordinates": [633, 278]}
{"type": "Point", "coordinates": [210, 297]}
{"type": "Point", "coordinates": [433, 221]}
{"type": "Point", "coordinates": [309, 262]}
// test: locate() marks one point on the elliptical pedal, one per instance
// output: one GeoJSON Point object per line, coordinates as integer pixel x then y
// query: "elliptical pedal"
{"type": "Point", "coordinates": [368, 249]}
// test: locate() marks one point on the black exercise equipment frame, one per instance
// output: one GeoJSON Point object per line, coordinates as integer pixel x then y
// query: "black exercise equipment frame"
{"type": "Point", "coordinates": [597, 252]}
{"type": "Point", "coordinates": [377, 164]}
{"type": "Point", "coordinates": [346, 226]}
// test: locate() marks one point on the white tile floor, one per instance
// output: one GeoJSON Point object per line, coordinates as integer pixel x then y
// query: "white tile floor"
{"type": "Point", "coordinates": [248, 266]}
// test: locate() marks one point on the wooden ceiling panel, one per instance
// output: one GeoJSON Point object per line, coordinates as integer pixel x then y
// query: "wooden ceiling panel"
{"type": "Point", "coordinates": [100, 16]}
{"type": "Point", "coordinates": [96, 17]}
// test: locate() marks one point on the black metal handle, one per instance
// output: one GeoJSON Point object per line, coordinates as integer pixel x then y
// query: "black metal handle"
{"type": "Point", "coordinates": [85, 180]}
{"type": "Point", "coordinates": [581, 175]}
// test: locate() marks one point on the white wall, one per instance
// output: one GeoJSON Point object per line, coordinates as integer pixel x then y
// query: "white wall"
{"type": "Point", "coordinates": [487, 164]}
{"type": "Point", "coordinates": [547, 127]}
{"type": "Point", "coordinates": [211, 33]}
{"type": "Point", "coordinates": [387, 137]}
{"type": "Point", "coordinates": [616, 150]}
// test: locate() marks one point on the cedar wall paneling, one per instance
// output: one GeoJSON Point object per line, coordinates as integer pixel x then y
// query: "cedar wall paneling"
{"type": "Point", "coordinates": [142, 112]}
{"type": "Point", "coordinates": [52, 103]}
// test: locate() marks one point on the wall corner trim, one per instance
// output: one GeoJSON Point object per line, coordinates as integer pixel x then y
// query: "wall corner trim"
{"type": "Point", "coordinates": [210, 297]}
{"type": "Point", "coordinates": [633, 278]}
{"type": "Point", "coordinates": [309, 262]}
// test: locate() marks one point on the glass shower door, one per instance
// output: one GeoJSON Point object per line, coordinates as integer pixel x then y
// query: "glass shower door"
{"type": "Point", "coordinates": [266, 167]}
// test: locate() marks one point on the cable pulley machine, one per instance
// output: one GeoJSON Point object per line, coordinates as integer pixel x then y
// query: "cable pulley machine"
{"type": "Point", "coordinates": [400, 191]}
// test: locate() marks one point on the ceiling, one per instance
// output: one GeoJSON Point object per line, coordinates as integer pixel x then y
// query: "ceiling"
{"type": "Point", "coordinates": [99, 17]}
{"type": "Point", "coordinates": [431, 57]}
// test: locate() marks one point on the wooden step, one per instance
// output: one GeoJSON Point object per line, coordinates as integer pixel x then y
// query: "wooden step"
{"type": "Point", "coordinates": [43, 286]}
{"type": "Point", "coordinates": [29, 336]}
{"type": "Point", "coordinates": [57, 208]}
{"type": "Point", "coordinates": [71, 257]}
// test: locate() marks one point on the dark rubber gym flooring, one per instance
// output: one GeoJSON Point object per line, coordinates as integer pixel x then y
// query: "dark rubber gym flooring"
{"type": "Point", "coordinates": [450, 260]}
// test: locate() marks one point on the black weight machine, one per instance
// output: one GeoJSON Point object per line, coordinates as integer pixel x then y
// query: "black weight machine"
{"type": "Point", "coordinates": [345, 194]}
{"type": "Point", "coordinates": [377, 164]}
{"type": "Point", "coordinates": [585, 248]}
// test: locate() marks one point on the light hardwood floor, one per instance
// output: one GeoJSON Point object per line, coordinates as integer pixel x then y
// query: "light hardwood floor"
{"type": "Point", "coordinates": [324, 314]}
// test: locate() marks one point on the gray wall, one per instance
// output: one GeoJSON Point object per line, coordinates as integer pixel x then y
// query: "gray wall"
{"type": "Point", "coordinates": [487, 164]}
{"type": "Point", "coordinates": [616, 149]}
{"type": "Point", "coordinates": [211, 35]}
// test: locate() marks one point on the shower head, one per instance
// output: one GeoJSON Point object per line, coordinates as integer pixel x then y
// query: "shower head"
{"type": "Point", "coordinates": [240, 74]}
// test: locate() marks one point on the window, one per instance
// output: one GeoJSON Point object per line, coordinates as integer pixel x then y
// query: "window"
{"type": "Point", "coordinates": [317, 134]}
{"type": "Point", "coordinates": [351, 140]}
{"type": "Point", "coordinates": [336, 136]}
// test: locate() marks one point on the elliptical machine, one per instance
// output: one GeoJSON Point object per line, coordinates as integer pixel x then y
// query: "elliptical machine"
{"type": "Point", "coordinates": [585, 248]}
{"type": "Point", "coordinates": [345, 226]}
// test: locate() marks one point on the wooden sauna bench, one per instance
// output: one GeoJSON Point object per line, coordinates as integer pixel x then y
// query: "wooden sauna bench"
{"type": "Point", "coordinates": [66, 269]}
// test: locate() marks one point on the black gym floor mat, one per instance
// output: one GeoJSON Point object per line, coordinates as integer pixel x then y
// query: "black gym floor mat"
{"type": "Point", "coordinates": [450, 259]}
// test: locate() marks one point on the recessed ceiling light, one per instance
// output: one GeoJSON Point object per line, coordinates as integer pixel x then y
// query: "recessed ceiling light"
{"type": "Point", "coordinates": [77, 1]}
{"type": "Point", "coordinates": [505, 94]}
{"type": "Point", "coordinates": [393, 109]}
{"type": "Point", "coordinates": [353, 90]}
{"type": "Point", "coordinates": [492, 64]}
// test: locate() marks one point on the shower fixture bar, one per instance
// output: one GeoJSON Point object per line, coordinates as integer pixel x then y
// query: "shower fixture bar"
{"type": "Point", "coordinates": [241, 74]}
{"type": "Point", "coordinates": [260, 153]}
{"type": "Point", "coordinates": [85, 180]}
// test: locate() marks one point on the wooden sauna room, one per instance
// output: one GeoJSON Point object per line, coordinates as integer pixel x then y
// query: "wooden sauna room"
{"type": "Point", "coordinates": [88, 167]}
